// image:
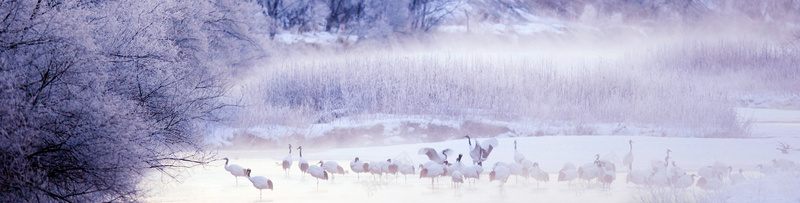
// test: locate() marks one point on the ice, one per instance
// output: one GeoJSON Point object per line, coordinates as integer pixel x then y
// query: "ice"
{"type": "Point", "coordinates": [214, 184]}
{"type": "Point", "coordinates": [770, 126]}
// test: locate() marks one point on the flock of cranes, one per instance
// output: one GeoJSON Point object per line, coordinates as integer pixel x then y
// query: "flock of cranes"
{"type": "Point", "coordinates": [662, 173]}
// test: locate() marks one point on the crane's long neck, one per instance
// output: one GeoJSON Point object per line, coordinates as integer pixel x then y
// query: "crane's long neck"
{"type": "Point", "coordinates": [631, 143]}
{"type": "Point", "coordinates": [290, 149]}
{"type": "Point", "coordinates": [226, 163]}
{"type": "Point", "coordinates": [469, 141]}
{"type": "Point", "coordinates": [301, 152]}
{"type": "Point", "coordinates": [666, 159]}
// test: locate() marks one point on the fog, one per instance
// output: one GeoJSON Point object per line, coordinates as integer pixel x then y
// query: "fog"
{"type": "Point", "coordinates": [629, 79]}
{"type": "Point", "coordinates": [140, 100]}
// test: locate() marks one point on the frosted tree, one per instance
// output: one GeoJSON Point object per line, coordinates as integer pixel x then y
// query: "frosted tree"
{"type": "Point", "coordinates": [427, 14]}
{"type": "Point", "coordinates": [288, 14]}
{"type": "Point", "coordinates": [342, 12]}
{"type": "Point", "coordinates": [97, 94]}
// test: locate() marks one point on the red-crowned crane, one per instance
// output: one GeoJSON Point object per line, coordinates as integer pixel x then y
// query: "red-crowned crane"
{"type": "Point", "coordinates": [317, 172]}
{"type": "Point", "coordinates": [434, 156]}
{"type": "Point", "coordinates": [480, 152]}
{"type": "Point", "coordinates": [259, 182]}
{"type": "Point", "coordinates": [332, 167]}
{"type": "Point", "coordinates": [287, 161]}
{"type": "Point", "coordinates": [500, 173]}
{"type": "Point", "coordinates": [302, 163]}
{"type": "Point", "coordinates": [628, 159]}
{"type": "Point", "coordinates": [358, 166]}
{"type": "Point", "coordinates": [431, 170]}
{"type": "Point", "coordinates": [235, 170]}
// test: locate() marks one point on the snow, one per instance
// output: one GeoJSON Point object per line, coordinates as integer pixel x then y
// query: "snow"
{"type": "Point", "coordinates": [213, 184]}
{"type": "Point", "coordinates": [324, 38]}
{"type": "Point", "coordinates": [776, 187]}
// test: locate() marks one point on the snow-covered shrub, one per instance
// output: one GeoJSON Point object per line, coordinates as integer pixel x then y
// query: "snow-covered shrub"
{"type": "Point", "coordinates": [96, 94]}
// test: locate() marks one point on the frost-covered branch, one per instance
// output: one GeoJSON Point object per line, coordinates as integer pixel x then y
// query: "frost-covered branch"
{"type": "Point", "coordinates": [97, 94]}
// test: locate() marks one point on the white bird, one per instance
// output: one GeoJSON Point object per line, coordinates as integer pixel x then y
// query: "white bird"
{"type": "Point", "coordinates": [608, 174]}
{"type": "Point", "coordinates": [455, 166]}
{"type": "Point", "coordinates": [590, 171]}
{"type": "Point", "coordinates": [471, 172]}
{"type": "Point", "coordinates": [235, 170]}
{"type": "Point", "coordinates": [332, 167]}
{"type": "Point", "coordinates": [518, 157]}
{"type": "Point", "coordinates": [659, 165]}
{"type": "Point", "coordinates": [608, 171]}
{"type": "Point", "coordinates": [639, 177]}
{"type": "Point", "coordinates": [302, 163]}
{"type": "Point", "coordinates": [709, 183]}
{"type": "Point", "coordinates": [660, 178]}
{"type": "Point", "coordinates": [406, 169]}
{"type": "Point", "coordinates": [766, 168]}
{"type": "Point", "coordinates": [478, 168]}
{"type": "Point", "coordinates": [434, 156]}
{"type": "Point", "coordinates": [431, 170]}
{"type": "Point", "coordinates": [385, 165]}
{"type": "Point", "coordinates": [375, 168]}
{"type": "Point", "coordinates": [499, 163]}
{"type": "Point", "coordinates": [527, 164]}
{"type": "Point", "coordinates": [260, 182]}
{"type": "Point", "coordinates": [720, 169]}
{"type": "Point", "coordinates": [358, 166]}
{"type": "Point", "coordinates": [390, 167]}
{"type": "Point", "coordinates": [628, 159]}
{"type": "Point", "coordinates": [607, 165]}
{"type": "Point", "coordinates": [675, 172]}
{"type": "Point", "coordinates": [381, 167]}
{"type": "Point", "coordinates": [516, 170]}
{"type": "Point", "coordinates": [737, 177]}
{"type": "Point", "coordinates": [567, 172]}
{"type": "Point", "coordinates": [538, 174]}
{"type": "Point", "coordinates": [481, 151]}
{"type": "Point", "coordinates": [500, 173]}
{"type": "Point", "coordinates": [684, 181]}
{"type": "Point", "coordinates": [317, 172]}
{"type": "Point", "coordinates": [287, 161]}
{"type": "Point", "coordinates": [784, 165]}
{"type": "Point", "coordinates": [457, 177]}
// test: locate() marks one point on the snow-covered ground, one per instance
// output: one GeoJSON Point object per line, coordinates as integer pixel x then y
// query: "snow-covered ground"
{"type": "Point", "coordinates": [214, 184]}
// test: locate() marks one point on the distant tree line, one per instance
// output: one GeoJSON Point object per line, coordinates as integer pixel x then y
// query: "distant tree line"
{"type": "Point", "coordinates": [382, 18]}
{"type": "Point", "coordinates": [363, 17]}
{"type": "Point", "coordinates": [643, 10]}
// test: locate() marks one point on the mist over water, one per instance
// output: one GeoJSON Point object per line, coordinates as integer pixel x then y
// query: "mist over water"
{"type": "Point", "coordinates": [107, 101]}
{"type": "Point", "coordinates": [673, 81]}
{"type": "Point", "coordinates": [665, 86]}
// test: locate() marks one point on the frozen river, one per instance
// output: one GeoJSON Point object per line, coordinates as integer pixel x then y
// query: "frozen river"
{"type": "Point", "coordinates": [214, 184]}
